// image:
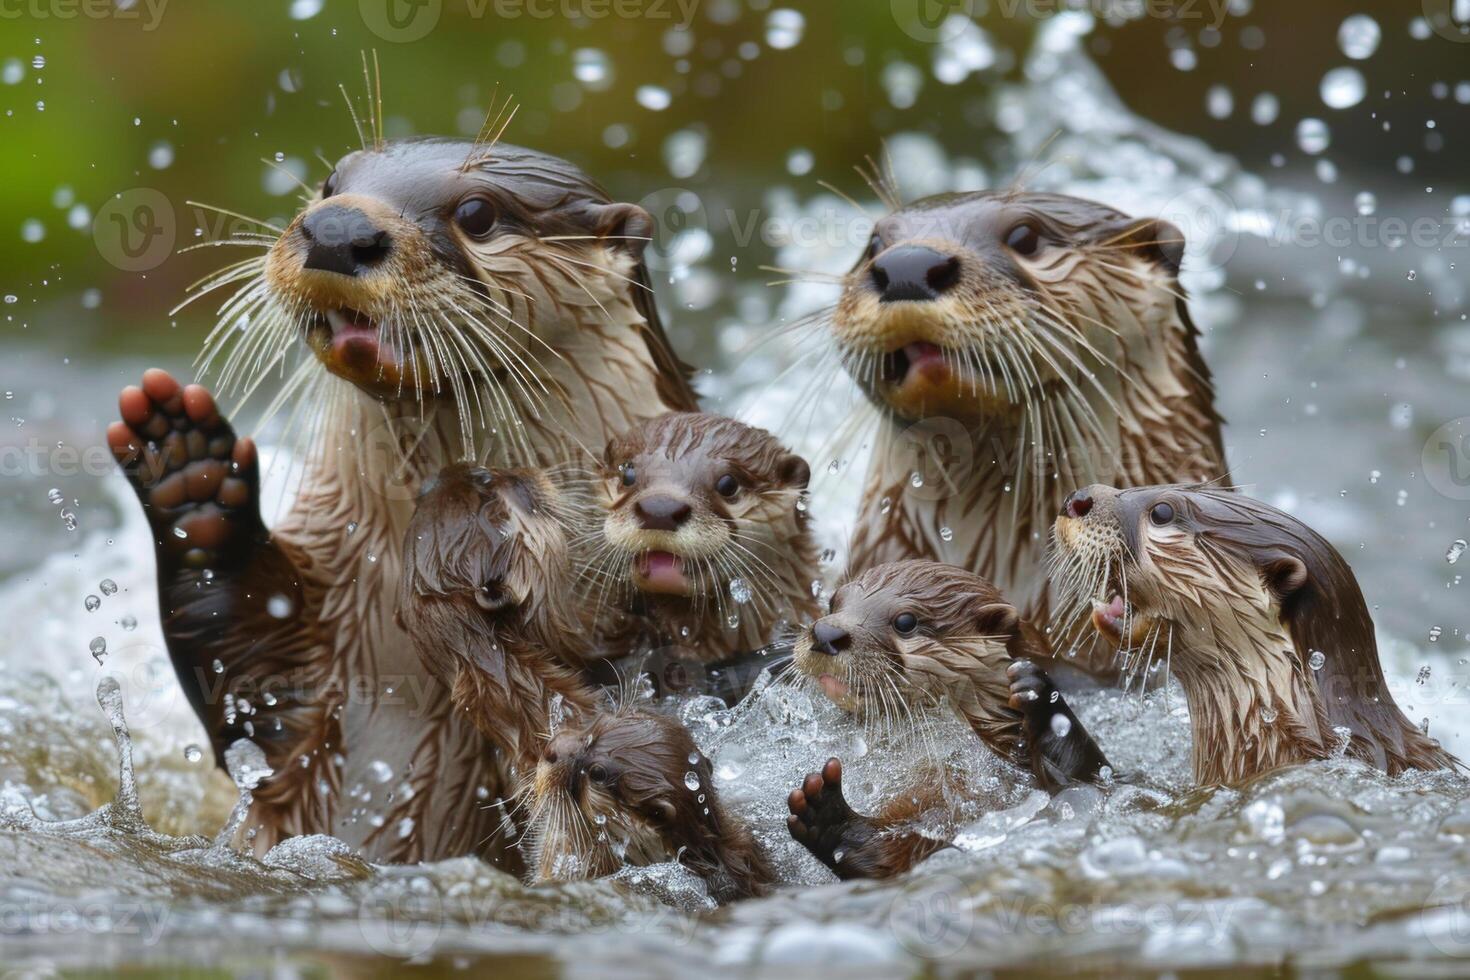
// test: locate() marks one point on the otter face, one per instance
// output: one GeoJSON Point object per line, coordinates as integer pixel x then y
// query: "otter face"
{"type": "Point", "coordinates": [612, 790]}
{"type": "Point", "coordinates": [974, 305]}
{"type": "Point", "coordinates": [695, 502]}
{"type": "Point", "coordinates": [1170, 566]}
{"type": "Point", "coordinates": [499, 536]}
{"type": "Point", "coordinates": [425, 267]}
{"type": "Point", "coordinates": [908, 633]}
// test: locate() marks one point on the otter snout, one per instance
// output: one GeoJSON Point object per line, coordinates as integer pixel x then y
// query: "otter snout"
{"type": "Point", "coordinates": [662, 512]}
{"type": "Point", "coordinates": [913, 272]}
{"type": "Point", "coordinates": [830, 638]}
{"type": "Point", "coordinates": [343, 239]}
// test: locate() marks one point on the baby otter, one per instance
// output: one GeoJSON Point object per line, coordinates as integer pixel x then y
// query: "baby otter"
{"type": "Point", "coordinates": [1259, 618]}
{"type": "Point", "coordinates": [909, 636]}
{"type": "Point", "coordinates": [453, 300]}
{"type": "Point", "coordinates": [630, 787]}
{"type": "Point", "coordinates": [706, 542]}
{"type": "Point", "coordinates": [1017, 344]}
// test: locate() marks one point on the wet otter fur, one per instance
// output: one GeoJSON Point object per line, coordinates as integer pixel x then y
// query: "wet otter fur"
{"type": "Point", "coordinates": [908, 637]}
{"type": "Point", "coordinates": [1258, 617]}
{"type": "Point", "coordinates": [697, 508]}
{"type": "Point", "coordinates": [445, 300]}
{"type": "Point", "coordinates": [1016, 345]}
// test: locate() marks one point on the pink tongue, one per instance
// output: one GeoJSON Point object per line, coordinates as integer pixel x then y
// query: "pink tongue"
{"type": "Point", "coordinates": [832, 687]}
{"type": "Point", "coordinates": [355, 338]}
{"type": "Point", "coordinates": [661, 568]}
{"type": "Point", "coordinates": [1116, 607]}
{"type": "Point", "coordinates": [921, 352]}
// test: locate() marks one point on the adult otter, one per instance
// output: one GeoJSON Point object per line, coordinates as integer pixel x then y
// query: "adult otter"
{"type": "Point", "coordinates": [1017, 345]}
{"type": "Point", "coordinates": [460, 301]}
{"type": "Point", "coordinates": [907, 637]}
{"type": "Point", "coordinates": [1259, 618]}
{"type": "Point", "coordinates": [706, 544]}
{"type": "Point", "coordinates": [630, 787]}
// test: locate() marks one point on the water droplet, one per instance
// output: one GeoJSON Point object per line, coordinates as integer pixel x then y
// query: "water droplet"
{"type": "Point", "coordinates": [1316, 660]}
{"type": "Point", "coordinates": [1358, 36]}
{"type": "Point", "coordinates": [784, 28]}
{"type": "Point", "coordinates": [11, 299]}
{"type": "Point", "coordinates": [733, 620]}
{"type": "Point", "coordinates": [885, 505]}
{"type": "Point", "coordinates": [1268, 713]}
{"type": "Point", "coordinates": [278, 606]}
{"type": "Point", "coordinates": [1413, 274]}
{"type": "Point", "coordinates": [180, 533]}
{"type": "Point", "coordinates": [108, 586]}
{"type": "Point", "coordinates": [1343, 88]}
{"type": "Point", "coordinates": [92, 602]}
{"type": "Point", "coordinates": [1265, 108]}
{"type": "Point", "coordinates": [1366, 203]}
{"type": "Point", "coordinates": [69, 520]}
{"type": "Point", "coordinates": [1313, 136]}
{"type": "Point", "coordinates": [1219, 103]}
{"type": "Point", "coordinates": [653, 97]}
{"type": "Point", "coordinates": [592, 67]}
{"type": "Point", "coordinates": [54, 495]}
{"type": "Point", "coordinates": [691, 781]}
{"type": "Point", "coordinates": [193, 753]}
{"type": "Point", "coordinates": [1456, 550]}
{"type": "Point", "coordinates": [1061, 725]}
{"type": "Point", "coordinates": [1435, 632]}
{"type": "Point", "coordinates": [1423, 676]}
{"type": "Point", "coordinates": [739, 591]}
{"type": "Point", "coordinates": [351, 527]}
{"type": "Point", "coordinates": [694, 758]}
{"type": "Point", "coordinates": [128, 623]}
{"type": "Point", "coordinates": [217, 667]}
{"type": "Point", "coordinates": [945, 534]}
{"type": "Point", "coordinates": [98, 646]}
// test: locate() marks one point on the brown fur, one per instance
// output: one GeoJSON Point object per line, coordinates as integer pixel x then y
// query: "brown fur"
{"type": "Point", "coordinates": [611, 789]}
{"type": "Point", "coordinates": [761, 535]}
{"type": "Point", "coordinates": [1074, 364]}
{"type": "Point", "coordinates": [1239, 595]}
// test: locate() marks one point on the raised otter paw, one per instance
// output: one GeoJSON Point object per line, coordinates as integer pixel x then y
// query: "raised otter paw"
{"type": "Point", "coordinates": [823, 823]}
{"type": "Point", "coordinates": [197, 483]}
{"type": "Point", "coordinates": [1060, 750]}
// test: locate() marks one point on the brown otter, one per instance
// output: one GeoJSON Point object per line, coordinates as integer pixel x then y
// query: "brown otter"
{"type": "Point", "coordinates": [1016, 345]}
{"type": "Point", "coordinates": [630, 787]}
{"type": "Point", "coordinates": [905, 637]}
{"type": "Point", "coordinates": [458, 300]}
{"type": "Point", "coordinates": [1259, 618]}
{"type": "Point", "coordinates": [706, 544]}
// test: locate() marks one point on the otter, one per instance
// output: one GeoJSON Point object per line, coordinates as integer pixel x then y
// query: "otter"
{"type": "Point", "coordinates": [906, 637]}
{"type": "Point", "coordinates": [706, 543]}
{"type": "Point", "coordinates": [1258, 617]}
{"type": "Point", "coordinates": [454, 300]}
{"type": "Point", "coordinates": [1017, 345]}
{"type": "Point", "coordinates": [629, 786]}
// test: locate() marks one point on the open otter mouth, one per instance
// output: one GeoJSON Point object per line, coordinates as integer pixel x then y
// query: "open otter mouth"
{"type": "Point", "coordinates": [661, 572]}
{"type": "Point", "coordinates": [833, 687]}
{"type": "Point", "coordinates": [1121, 622]}
{"type": "Point", "coordinates": [919, 360]}
{"type": "Point", "coordinates": [355, 339]}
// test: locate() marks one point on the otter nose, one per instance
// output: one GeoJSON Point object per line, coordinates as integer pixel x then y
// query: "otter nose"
{"type": "Point", "coordinates": [1079, 504]}
{"type": "Point", "coordinates": [913, 272]}
{"type": "Point", "coordinates": [549, 754]}
{"type": "Point", "coordinates": [343, 240]}
{"type": "Point", "coordinates": [830, 639]}
{"type": "Point", "coordinates": [661, 513]}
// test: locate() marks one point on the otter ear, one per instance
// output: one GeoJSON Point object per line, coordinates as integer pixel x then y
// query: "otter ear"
{"type": "Point", "coordinates": [793, 471]}
{"type": "Point", "coordinates": [494, 597]}
{"type": "Point", "coordinates": [1285, 574]}
{"type": "Point", "coordinates": [998, 619]}
{"type": "Point", "coordinates": [1155, 239]}
{"type": "Point", "coordinates": [628, 226]}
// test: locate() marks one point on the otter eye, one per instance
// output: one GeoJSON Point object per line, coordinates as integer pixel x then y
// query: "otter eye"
{"type": "Point", "coordinates": [630, 475]}
{"type": "Point", "coordinates": [1023, 239]}
{"type": "Point", "coordinates": [476, 216]}
{"type": "Point", "coordinates": [597, 772]}
{"type": "Point", "coordinates": [1161, 514]}
{"type": "Point", "coordinates": [727, 486]}
{"type": "Point", "coordinates": [905, 623]}
{"type": "Point", "coordinates": [329, 186]}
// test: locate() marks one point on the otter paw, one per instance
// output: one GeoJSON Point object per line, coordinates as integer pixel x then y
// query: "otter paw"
{"type": "Point", "coordinates": [198, 484]}
{"type": "Point", "coordinates": [1032, 692]}
{"type": "Point", "coordinates": [823, 823]}
{"type": "Point", "coordinates": [1059, 747]}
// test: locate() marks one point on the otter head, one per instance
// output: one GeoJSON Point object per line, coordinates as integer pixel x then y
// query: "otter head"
{"type": "Point", "coordinates": [496, 541]}
{"type": "Point", "coordinates": [631, 787]}
{"type": "Point", "coordinates": [702, 511]}
{"type": "Point", "coordinates": [975, 306]}
{"type": "Point", "coordinates": [912, 633]}
{"type": "Point", "coordinates": [427, 269]}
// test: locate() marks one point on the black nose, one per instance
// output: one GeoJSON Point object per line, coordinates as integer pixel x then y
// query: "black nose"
{"type": "Point", "coordinates": [549, 754]}
{"type": "Point", "coordinates": [830, 639]}
{"type": "Point", "coordinates": [342, 239]}
{"type": "Point", "coordinates": [661, 513]}
{"type": "Point", "coordinates": [913, 272]}
{"type": "Point", "coordinates": [1078, 505]}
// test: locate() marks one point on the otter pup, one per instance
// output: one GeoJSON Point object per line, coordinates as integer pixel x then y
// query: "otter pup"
{"type": "Point", "coordinates": [1259, 618]}
{"type": "Point", "coordinates": [706, 542]}
{"type": "Point", "coordinates": [911, 635]}
{"type": "Point", "coordinates": [452, 299]}
{"type": "Point", "coordinates": [1016, 345]}
{"type": "Point", "coordinates": [630, 787]}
